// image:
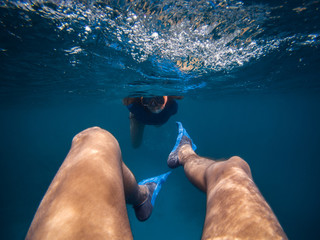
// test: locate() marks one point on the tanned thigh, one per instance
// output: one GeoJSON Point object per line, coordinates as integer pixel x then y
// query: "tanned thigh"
{"type": "Point", "coordinates": [86, 197]}
{"type": "Point", "coordinates": [235, 207]}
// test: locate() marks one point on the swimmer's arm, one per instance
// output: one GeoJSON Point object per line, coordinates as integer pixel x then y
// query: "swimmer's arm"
{"type": "Point", "coordinates": [176, 97]}
{"type": "Point", "coordinates": [127, 101]}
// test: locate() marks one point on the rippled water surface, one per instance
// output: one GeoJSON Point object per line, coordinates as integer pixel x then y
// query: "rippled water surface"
{"type": "Point", "coordinates": [248, 71]}
{"type": "Point", "coordinates": [91, 47]}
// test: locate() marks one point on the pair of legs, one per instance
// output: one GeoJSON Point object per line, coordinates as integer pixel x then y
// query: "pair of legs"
{"type": "Point", "coordinates": [87, 198]}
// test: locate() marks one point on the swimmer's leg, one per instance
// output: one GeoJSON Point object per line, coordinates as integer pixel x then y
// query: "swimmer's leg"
{"type": "Point", "coordinates": [87, 197]}
{"type": "Point", "coordinates": [136, 131]}
{"type": "Point", "coordinates": [235, 206]}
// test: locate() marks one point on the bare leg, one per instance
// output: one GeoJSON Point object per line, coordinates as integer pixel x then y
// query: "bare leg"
{"type": "Point", "coordinates": [87, 197]}
{"type": "Point", "coordinates": [136, 131]}
{"type": "Point", "coordinates": [235, 207]}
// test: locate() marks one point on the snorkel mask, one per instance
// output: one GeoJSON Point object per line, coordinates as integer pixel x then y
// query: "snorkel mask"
{"type": "Point", "coordinates": [154, 104]}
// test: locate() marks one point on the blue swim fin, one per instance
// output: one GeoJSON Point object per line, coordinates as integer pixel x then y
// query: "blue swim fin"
{"type": "Point", "coordinates": [158, 180]}
{"type": "Point", "coordinates": [143, 211]}
{"type": "Point", "coordinates": [182, 138]}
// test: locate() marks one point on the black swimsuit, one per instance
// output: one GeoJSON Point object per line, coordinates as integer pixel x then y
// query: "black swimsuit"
{"type": "Point", "coordinates": [143, 114]}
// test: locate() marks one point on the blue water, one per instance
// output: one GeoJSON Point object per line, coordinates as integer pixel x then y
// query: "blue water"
{"type": "Point", "coordinates": [248, 71]}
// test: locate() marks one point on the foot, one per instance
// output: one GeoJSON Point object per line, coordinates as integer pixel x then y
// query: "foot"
{"type": "Point", "coordinates": [143, 211]}
{"type": "Point", "coordinates": [182, 139]}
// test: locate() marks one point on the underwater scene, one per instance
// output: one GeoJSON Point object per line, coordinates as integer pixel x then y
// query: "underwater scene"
{"type": "Point", "coordinates": [244, 76]}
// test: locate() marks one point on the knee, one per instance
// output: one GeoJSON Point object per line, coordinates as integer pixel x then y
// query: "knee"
{"type": "Point", "coordinates": [238, 162]}
{"type": "Point", "coordinates": [95, 133]}
{"type": "Point", "coordinates": [88, 132]}
{"type": "Point", "coordinates": [224, 169]}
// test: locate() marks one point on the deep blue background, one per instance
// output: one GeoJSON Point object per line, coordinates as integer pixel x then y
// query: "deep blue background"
{"type": "Point", "coordinates": [277, 134]}
{"type": "Point", "coordinates": [267, 112]}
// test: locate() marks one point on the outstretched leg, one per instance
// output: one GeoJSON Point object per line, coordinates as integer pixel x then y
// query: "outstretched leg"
{"type": "Point", "coordinates": [235, 207]}
{"type": "Point", "coordinates": [87, 198]}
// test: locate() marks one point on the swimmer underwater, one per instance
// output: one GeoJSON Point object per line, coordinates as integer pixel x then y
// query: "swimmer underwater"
{"type": "Point", "coordinates": [154, 110]}
{"type": "Point", "coordinates": [87, 198]}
